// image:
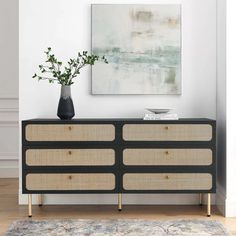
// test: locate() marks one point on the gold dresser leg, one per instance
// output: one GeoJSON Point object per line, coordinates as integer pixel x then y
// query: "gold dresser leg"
{"type": "Point", "coordinates": [40, 199]}
{"type": "Point", "coordinates": [208, 204]}
{"type": "Point", "coordinates": [200, 199]}
{"type": "Point", "coordinates": [29, 205]}
{"type": "Point", "coordinates": [119, 201]}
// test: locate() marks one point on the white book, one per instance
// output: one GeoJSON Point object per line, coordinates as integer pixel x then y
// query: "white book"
{"type": "Point", "coordinates": [164, 116]}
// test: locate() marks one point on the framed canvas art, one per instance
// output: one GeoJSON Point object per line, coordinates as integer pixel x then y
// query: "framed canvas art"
{"type": "Point", "coordinates": [142, 44]}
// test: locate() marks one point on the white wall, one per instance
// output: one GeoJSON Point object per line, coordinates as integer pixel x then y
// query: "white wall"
{"type": "Point", "coordinates": [66, 27]}
{"type": "Point", "coordinates": [221, 105]}
{"type": "Point", "coordinates": [230, 111]}
{"type": "Point", "coordinates": [9, 130]}
{"type": "Point", "coordinates": [226, 112]}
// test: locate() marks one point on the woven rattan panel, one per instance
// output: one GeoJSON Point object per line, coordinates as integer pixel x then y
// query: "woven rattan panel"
{"type": "Point", "coordinates": [62, 132]}
{"type": "Point", "coordinates": [167, 181]}
{"type": "Point", "coordinates": [167, 132]}
{"type": "Point", "coordinates": [161, 157]}
{"type": "Point", "coordinates": [70, 181]}
{"type": "Point", "coordinates": [70, 157]}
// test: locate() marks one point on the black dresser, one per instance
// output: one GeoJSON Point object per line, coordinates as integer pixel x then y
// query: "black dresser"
{"type": "Point", "coordinates": [118, 156]}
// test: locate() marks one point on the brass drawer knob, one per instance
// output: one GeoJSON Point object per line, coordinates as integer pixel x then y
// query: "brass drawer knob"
{"type": "Point", "coordinates": [70, 177]}
{"type": "Point", "coordinates": [70, 128]}
{"type": "Point", "coordinates": [166, 127]}
{"type": "Point", "coordinates": [70, 152]}
{"type": "Point", "coordinates": [167, 152]}
{"type": "Point", "coordinates": [167, 177]}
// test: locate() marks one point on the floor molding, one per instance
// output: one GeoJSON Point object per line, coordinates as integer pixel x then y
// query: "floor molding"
{"type": "Point", "coordinates": [230, 208]}
{"type": "Point", "coordinates": [225, 205]}
{"type": "Point", "coordinates": [221, 200]}
{"type": "Point", "coordinates": [9, 172]}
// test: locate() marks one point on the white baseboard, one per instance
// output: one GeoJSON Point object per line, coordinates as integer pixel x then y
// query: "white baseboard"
{"type": "Point", "coordinates": [225, 205]}
{"type": "Point", "coordinates": [110, 199]}
{"type": "Point", "coordinates": [230, 208]}
{"type": "Point", "coordinates": [9, 165]}
{"type": "Point", "coordinates": [221, 200]}
{"type": "Point", "coordinates": [9, 172]}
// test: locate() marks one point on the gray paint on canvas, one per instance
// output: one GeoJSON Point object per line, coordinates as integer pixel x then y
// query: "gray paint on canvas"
{"type": "Point", "coordinates": [143, 46]}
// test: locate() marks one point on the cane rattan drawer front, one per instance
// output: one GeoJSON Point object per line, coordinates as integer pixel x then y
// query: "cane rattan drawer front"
{"type": "Point", "coordinates": [162, 157]}
{"type": "Point", "coordinates": [167, 132]}
{"type": "Point", "coordinates": [67, 181]}
{"type": "Point", "coordinates": [70, 157]}
{"type": "Point", "coordinates": [71, 132]}
{"type": "Point", "coordinates": [167, 181]}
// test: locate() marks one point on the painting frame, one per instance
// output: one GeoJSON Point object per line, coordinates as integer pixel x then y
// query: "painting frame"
{"type": "Point", "coordinates": [179, 66]}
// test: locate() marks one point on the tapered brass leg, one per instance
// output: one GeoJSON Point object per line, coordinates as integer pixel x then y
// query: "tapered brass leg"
{"type": "Point", "coordinates": [119, 201]}
{"type": "Point", "coordinates": [29, 205]}
{"type": "Point", "coordinates": [200, 199]}
{"type": "Point", "coordinates": [208, 204]}
{"type": "Point", "coordinates": [40, 199]}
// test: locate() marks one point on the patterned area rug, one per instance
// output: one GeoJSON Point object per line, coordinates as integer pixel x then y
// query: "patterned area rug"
{"type": "Point", "coordinates": [116, 228]}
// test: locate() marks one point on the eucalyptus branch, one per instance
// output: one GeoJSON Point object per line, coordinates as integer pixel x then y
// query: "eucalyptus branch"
{"type": "Point", "coordinates": [47, 78]}
{"type": "Point", "coordinates": [66, 75]}
{"type": "Point", "coordinates": [50, 80]}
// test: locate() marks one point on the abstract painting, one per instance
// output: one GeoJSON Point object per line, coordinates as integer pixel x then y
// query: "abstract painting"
{"type": "Point", "coordinates": [142, 44]}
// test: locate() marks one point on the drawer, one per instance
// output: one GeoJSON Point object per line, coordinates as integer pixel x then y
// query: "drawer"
{"type": "Point", "coordinates": [88, 181]}
{"type": "Point", "coordinates": [61, 132]}
{"type": "Point", "coordinates": [167, 181]}
{"type": "Point", "coordinates": [173, 157]}
{"type": "Point", "coordinates": [70, 157]}
{"type": "Point", "coordinates": [167, 132]}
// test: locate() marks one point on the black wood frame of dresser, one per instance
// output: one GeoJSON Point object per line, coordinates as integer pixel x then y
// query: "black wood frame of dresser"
{"type": "Point", "coordinates": [118, 145]}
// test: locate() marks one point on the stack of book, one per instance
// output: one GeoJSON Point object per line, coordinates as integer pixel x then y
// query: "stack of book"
{"type": "Point", "coordinates": [161, 116]}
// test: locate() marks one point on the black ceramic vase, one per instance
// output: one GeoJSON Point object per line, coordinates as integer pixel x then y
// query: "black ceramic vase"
{"type": "Point", "coordinates": [65, 109]}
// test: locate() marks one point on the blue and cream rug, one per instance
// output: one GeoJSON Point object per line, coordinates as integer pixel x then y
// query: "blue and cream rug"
{"type": "Point", "coordinates": [116, 228]}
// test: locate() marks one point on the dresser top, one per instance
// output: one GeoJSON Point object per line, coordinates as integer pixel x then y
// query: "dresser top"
{"type": "Point", "coordinates": [182, 120]}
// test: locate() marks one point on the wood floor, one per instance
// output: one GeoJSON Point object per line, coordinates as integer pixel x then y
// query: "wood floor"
{"type": "Point", "coordinates": [10, 210]}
